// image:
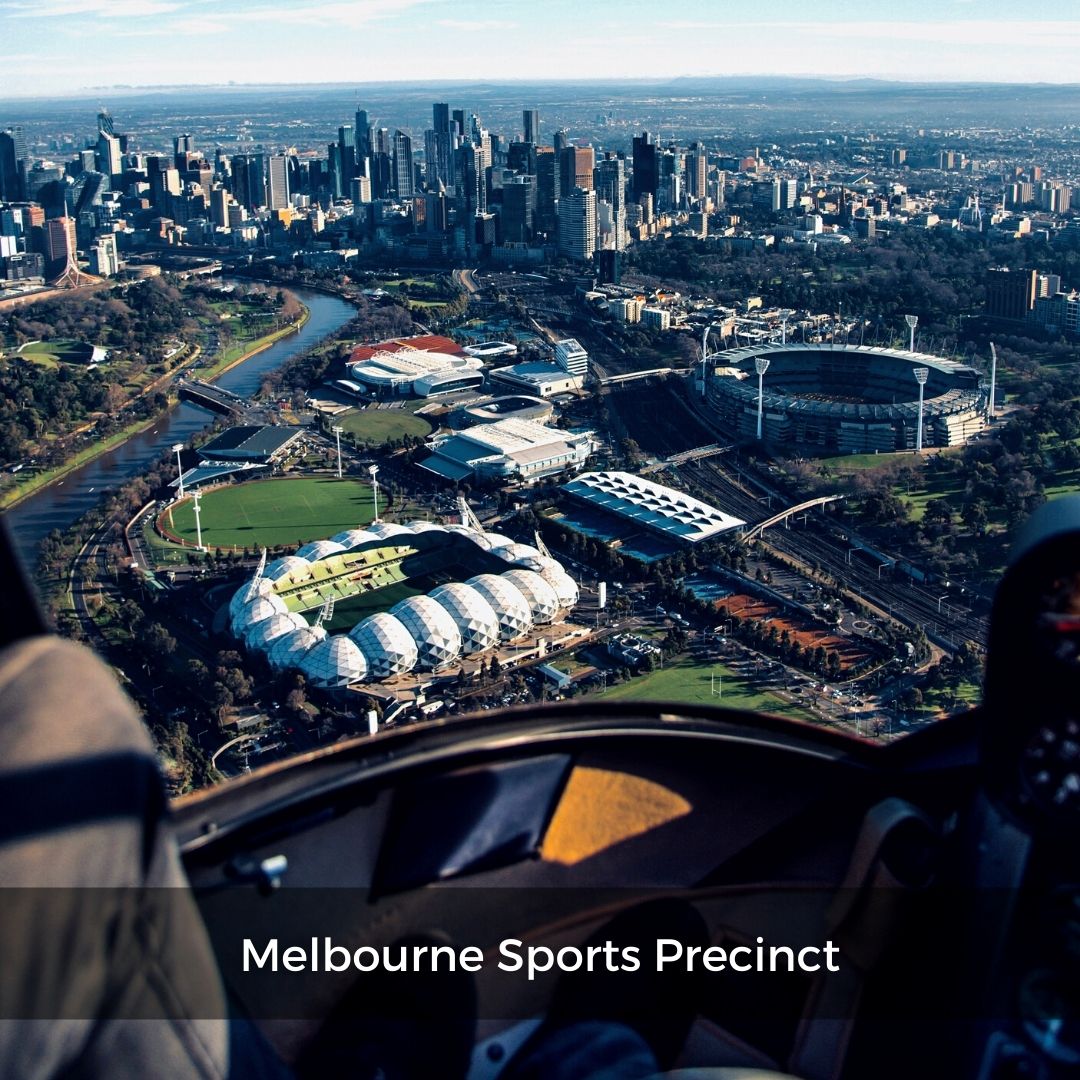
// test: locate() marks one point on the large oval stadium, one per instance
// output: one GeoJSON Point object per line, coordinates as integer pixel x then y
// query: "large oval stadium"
{"type": "Point", "coordinates": [846, 398]}
{"type": "Point", "coordinates": [401, 600]}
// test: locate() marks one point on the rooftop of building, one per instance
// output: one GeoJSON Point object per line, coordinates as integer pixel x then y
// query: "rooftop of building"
{"type": "Point", "coordinates": [662, 508]}
{"type": "Point", "coordinates": [249, 442]}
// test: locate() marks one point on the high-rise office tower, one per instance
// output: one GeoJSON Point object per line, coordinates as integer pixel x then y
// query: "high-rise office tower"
{"type": "Point", "coordinates": [277, 182]}
{"type": "Point", "coordinates": [560, 140]}
{"type": "Point", "coordinates": [346, 156]}
{"type": "Point", "coordinates": [1010, 294]}
{"type": "Point", "coordinates": [435, 212]}
{"type": "Point", "coordinates": [518, 209]}
{"type": "Point", "coordinates": [472, 186]}
{"type": "Point", "coordinates": [547, 190]}
{"type": "Point", "coordinates": [108, 155]}
{"type": "Point", "coordinates": [13, 165]}
{"type": "Point", "coordinates": [576, 165]}
{"type": "Point", "coordinates": [530, 121]}
{"type": "Point", "coordinates": [457, 118]}
{"type": "Point", "coordinates": [362, 139]}
{"type": "Point", "coordinates": [440, 117]}
{"type": "Point", "coordinates": [219, 207]}
{"type": "Point", "coordinates": [610, 180]}
{"type": "Point", "coordinates": [59, 241]}
{"type": "Point", "coordinates": [403, 165]}
{"type": "Point", "coordinates": [105, 122]}
{"type": "Point", "coordinates": [248, 184]}
{"type": "Point", "coordinates": [611, 192]}
{"type": "Point", "coordinates": [697, 165]}
{"type": "Point", "coordinates": [182, 146]}
{"type": "Point", "coordinates": [646, 173]}
{"type": "Point", "coordinates": [577, 225]}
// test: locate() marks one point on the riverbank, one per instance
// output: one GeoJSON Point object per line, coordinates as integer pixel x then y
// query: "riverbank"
{"type": "Point", "coordinates": [39, 481]}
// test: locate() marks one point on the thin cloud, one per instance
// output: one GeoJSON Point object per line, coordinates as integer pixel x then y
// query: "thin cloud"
{"type": "Point", "coordinates": [100, 9]}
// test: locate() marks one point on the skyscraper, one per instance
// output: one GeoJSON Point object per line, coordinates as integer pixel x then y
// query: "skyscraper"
{"type": "Point", "coordinates": [530, 120]}
{"type": "Point", "coordinates": [59, 241]}
{"type": "Point", "coordinates": [697, 164]}
{"type": "Point", "coordinates": [13, 165]}
{"type": "Point", "coordinates": [646, 175]}
{"type": "Point", "coordinates": [577, 225]}
{"type": "Point", "coordinates": [277, 187]}
{"type": "Point", "coordinates": [362, 138]}
{"type": "Point", "coordinates": [440, 118]}
{"type": "Point", "coordinates": [346, 156]}
{"type": "Point", "coordinates": [547, 190]}
{"type": "Point", "coordinates": [472, 188]}
{"type": "Point", "coordinates": [518, 209]}
{"type": "Point", "coordinates": [403, 165]}
{"type": "Point", "coordinates": [108, 155]}
{"type": "Point", "coordinates": [576, 168]}
{"type": "Point", "coordinates": [105, 122]}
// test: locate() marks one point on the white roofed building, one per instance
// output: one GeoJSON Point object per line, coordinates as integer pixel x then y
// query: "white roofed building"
{"type": "Point", "coordinates": [672, 513]}
{"type": "Point", "coordinates": [413, 371]}
{"type": "Point", "coordinates": [511, 448]}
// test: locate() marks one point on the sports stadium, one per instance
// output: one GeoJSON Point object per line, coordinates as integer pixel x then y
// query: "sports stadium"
{"type": "Point", "coordinates": [399, 591]}
{"type": "Point", "coordinates": [846, 398]}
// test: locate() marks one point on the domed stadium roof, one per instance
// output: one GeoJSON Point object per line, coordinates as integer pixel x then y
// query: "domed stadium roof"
{"type": "Point", "coordinates": [438, 640]}
{"type": "Point", "coordinates": [387, 645]}
{"type": "Point", "coordinates": [245, 594]}
{"type": "Point", "coordinates": [290, 564]}
{"type": "Point", "coordinates": [540, 563]}
{"type": "Point", "coordinates": [334, 662]}
{"type": "Point", "coordinates": [475, 617]}
{"type": "Point", "coordinates": [262, 607]}
{"type": "Point", "coordinates": [496, 540]}
{"type": "Point", "coordinates": [513, 552]}
{"type": "Point", "coordinates": [385, 529]}
{"type": "Point", "coordinates": [425, 526]}
{"type": "Point", "coordinates": [543, 600]}
{"type": "Point", "coordinates": [319, 549]}
{"type": "Point", "coordinates": [512, 609]}
{"type": "Point", "coordinates": [566, 589]}
{"type": "Point", "coordinates": [352, 538]}
{"type": "Point", "coordinates": [477, 538]}
{"type": "Point", "coordinates": [260, 635]}
{"type": "Point", "coordinates": [288, 650]}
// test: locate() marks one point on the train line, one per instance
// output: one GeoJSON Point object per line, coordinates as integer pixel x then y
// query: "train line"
{"type": "Point", "coordinates": [815, 541]}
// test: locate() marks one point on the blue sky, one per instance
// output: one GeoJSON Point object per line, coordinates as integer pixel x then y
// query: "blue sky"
{"type": "Point", "coordinates": [66, 45]}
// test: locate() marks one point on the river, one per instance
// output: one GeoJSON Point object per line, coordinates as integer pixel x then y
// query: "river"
{"type": "Point", "coordinates": [61, 504]}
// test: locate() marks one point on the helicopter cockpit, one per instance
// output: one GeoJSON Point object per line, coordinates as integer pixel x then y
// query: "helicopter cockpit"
{"type": "Point", "coordinates": [744, 895]}
{"type": "Point", "coordinates": [943, 870]}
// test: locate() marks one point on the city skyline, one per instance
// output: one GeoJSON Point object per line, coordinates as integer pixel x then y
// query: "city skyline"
{"type": "Point", "coordinates": [61, 49]}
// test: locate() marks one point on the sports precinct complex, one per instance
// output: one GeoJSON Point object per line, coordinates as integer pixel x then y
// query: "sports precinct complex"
{"type": "Point", "coordinates": [402, 584]}
{"type": "Point", "coordinates": [845, 398]}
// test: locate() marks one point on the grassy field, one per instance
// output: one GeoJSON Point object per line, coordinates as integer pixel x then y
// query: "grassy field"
{"type": "Point", "coordinates": [265, 513]}
{"type": "Point", "coordinates": [50, 353]}
{"type": "Point", "coordinates": [347, 613]}
{"type": "Point", "coordinates": [687, 682]}
{"type": "Point", "coordinates": [378, 426]}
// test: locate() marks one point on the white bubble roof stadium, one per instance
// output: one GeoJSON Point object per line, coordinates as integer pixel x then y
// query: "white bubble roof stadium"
{"type": "Point", "coordinates": [421, 633]}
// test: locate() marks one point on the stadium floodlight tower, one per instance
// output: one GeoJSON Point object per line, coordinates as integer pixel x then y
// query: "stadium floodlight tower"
{"type": "Point", "coordinates": [921, 375]}
{"type": "Point", "coordinates": [705, 352]}
{"type": "Point", "coordinates": [337, 429]}
{"type": "Point", "coordinates": [912, 321]}
{"type": "Point", "coordinates": [373, 470]}
{"type": "Point", "coordinates": [177, 447]}
{"type": "Point", "coordinates": [195, 497]}
{"type": "Point", "coordinates": [761, 365]}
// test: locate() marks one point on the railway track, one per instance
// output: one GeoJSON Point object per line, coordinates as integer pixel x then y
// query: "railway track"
{"type": "Point", "coordinates": [818, 542]}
